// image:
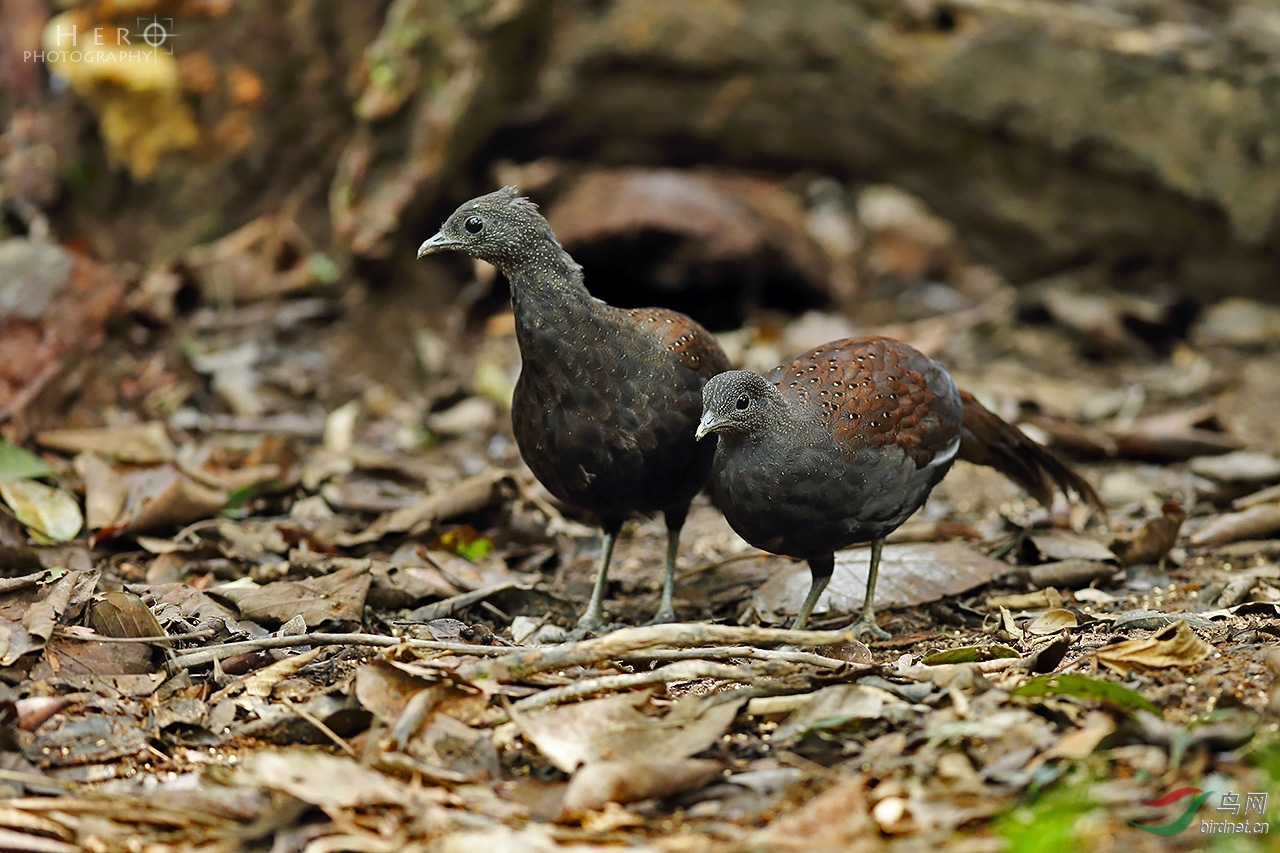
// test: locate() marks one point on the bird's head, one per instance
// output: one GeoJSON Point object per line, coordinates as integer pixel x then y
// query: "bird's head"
{"type": "Point", "coordinates": [503, 228]}
{"type": "Point", "coordinates": [737, 402]}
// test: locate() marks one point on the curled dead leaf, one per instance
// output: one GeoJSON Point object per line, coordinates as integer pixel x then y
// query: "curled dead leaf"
{"type": "Point", "coordinates": [1176, 645]}
{"type": "Point", "coordinates": [47, 511]}
{"type": "Point", "coordinates": [1154, 539]}
{"type": "Point", "coordinates": [1257, 522]}
{"type": "Point", "coordinates": [614, 728]}
{"type": "Point", "coordinates": [105, 490]}
{"type": "Point", "coordinates": [164, 497]}
{"type": "Point", "coordinates": [1051, 622]}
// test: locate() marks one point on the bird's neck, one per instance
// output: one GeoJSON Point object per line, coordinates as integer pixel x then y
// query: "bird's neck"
{"type": "Point", "coordinates": [784, 422]}
{"type": "Point", "coordinates": [545, 271]}
{"type": "Point", "coordinates": [552, 305]}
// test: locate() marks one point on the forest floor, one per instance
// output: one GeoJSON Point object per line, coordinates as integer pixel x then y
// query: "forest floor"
{"type": "Point", "coordinates": [261, 481]}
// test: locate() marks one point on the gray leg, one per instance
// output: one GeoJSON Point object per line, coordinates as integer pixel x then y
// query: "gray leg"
{"type": "Point", "coordinates": [593, 619]}
{"type": "Point", "coordinates": [866, 623]}
{"type": "Point", "coordinates": [667, 610]}
{"type": "Point", "coordinates": [820, 568]}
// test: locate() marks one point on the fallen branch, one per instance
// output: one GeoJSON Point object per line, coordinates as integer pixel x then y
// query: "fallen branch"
{"type": "Point", "coordinates": [517, 665]}
{"type": "Point", "coordinates": [618, 645]}
{"type": "Point", "coordinates": [729, 652]}
{"type": "Point", "coordinates": [688, 670]}
{"type": "Point", "coordinates": [226, 650]}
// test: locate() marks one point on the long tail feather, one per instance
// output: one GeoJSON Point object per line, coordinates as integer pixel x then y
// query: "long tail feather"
{"type": "Point", "coordinates": [988, 440]}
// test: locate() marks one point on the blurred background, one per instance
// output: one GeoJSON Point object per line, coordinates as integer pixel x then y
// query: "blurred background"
{"type": "Point", "coordinates": [723, 158]}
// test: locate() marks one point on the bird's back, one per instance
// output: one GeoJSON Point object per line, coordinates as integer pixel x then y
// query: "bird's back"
{"type": "Point", "coordinates": [876, 393]}
{"type": "Point", "coordinates": [607, 403]}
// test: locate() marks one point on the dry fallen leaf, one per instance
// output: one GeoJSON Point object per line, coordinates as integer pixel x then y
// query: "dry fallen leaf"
{"type": "Point", "coordinates": [1048, 546]}
{"type": "Point", "coordinates": [1176, 645]}
{"type": "Point", "coordinates": [836, 706]}
{"type": "Point", "coordinates": [1079, 744]}
{"type": "Point", "coordinates": [910, 574]}
{"type": "Point", "coordinates": [1051, 622]}
{"type": "Point", "coordinates": [836, 819]}
{"type": "Point", "coordinates": [614, 729]}
{"type": "Point", "coordinates": [630, 780]}
{"type": "Point", "coordinates": [123, 614]}
{"type": "Point", "coordinates": [339, 596]}
{"type": "Point", "coordinates": [1154, 539]}
{"type": "Point", "coordinates": [1248, 467]}
{"type": "Point", "coordinates": [164, 497]}
{"type": "Point", "coordinates": [1257, 522]}
{"type": "Point", "coordinates": [328, 781]}
{"type": "Point", "coordinates": [451, 745]}
{"type": "Point", "coordinates": [262, 682]}
{"type": "Point", "coordinates": [141, 444]}
{"type": "Point", "coordinates": [47, 511]}
{"type": "Point", "coordinates": [105, 490]}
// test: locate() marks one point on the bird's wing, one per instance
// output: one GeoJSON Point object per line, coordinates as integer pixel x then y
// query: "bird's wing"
{"type": "Point", "coordinates": [877, 392]}
{"type": "Point", "coordinates": [683, 336]}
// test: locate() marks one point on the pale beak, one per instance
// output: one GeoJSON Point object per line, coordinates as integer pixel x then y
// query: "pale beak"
{"type": "Point", "coordinates": [706, 426]}
{"type": "Point", "coordinates": [439, 243]}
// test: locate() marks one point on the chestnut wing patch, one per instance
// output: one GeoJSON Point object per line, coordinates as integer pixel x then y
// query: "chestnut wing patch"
{"type": "Point", "coordinates": [876, 392]}
{"type": "Point", "coordinates": [678, 334]}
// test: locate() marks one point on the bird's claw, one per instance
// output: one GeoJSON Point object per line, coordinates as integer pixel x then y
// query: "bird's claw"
{"type": "Point", "coordinates": [664, 616]}
{"type": "Point", "coordinates": [589, 627]}
{"type": "Point", "coordinates": [867, 625]}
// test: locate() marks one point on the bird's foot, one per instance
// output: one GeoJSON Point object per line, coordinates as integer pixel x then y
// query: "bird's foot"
{"type": "Point", "coordinates": [664, 616]}
{"type": "Point", "coordinates": [867, 625]}
{"type": "Point", "coordinates": [590, 625]}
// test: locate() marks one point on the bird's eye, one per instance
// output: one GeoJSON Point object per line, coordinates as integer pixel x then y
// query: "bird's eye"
{"type": "Point", "coordinates": [474, 225]}
{"type": "Point", "coordinates": [743, 402]}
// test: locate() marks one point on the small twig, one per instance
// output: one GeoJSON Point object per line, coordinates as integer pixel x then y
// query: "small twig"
{"type": "Point", "coordinates": [736, 558]}
{"type": "Point", "coordinates": [791, 759]}
{"type": "Point", "coordinates": [688, 670]}
{"type": "Point", "coordinates": [38, 779]}
{"type": "Point", "coordinates": [723, 652]}
{"type": "Point", "coordinates": [226, 650]}
{"type": "Point", "coordinates": [449, 606]}
{"type": "Point", "coordinates": [202, 634]}
{"type": "Point", "coordinates": [325, 730]}
{"type": "Point", "coordinates": [299, 426]}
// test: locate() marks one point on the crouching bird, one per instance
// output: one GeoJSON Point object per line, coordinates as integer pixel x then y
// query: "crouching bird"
{"type": "Point", "coordinates": [843, 443]}
{"type": "Point", "coordinates": [608, 399]}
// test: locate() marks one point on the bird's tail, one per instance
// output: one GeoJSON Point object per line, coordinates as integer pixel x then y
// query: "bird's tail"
{"type": "Point", "coordinates": [985, 439]}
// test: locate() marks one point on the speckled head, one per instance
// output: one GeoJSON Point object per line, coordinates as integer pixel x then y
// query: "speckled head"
{"type": "Point", "coordinates": [503, 228]}
{"type": "Point", "coordinates": [738, 402]}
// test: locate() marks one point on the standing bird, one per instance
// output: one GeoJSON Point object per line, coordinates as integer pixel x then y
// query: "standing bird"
{"type": "Point", "coordinates": [842, 444]}
{"type": "Point", "coordinates": [608, 398]}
